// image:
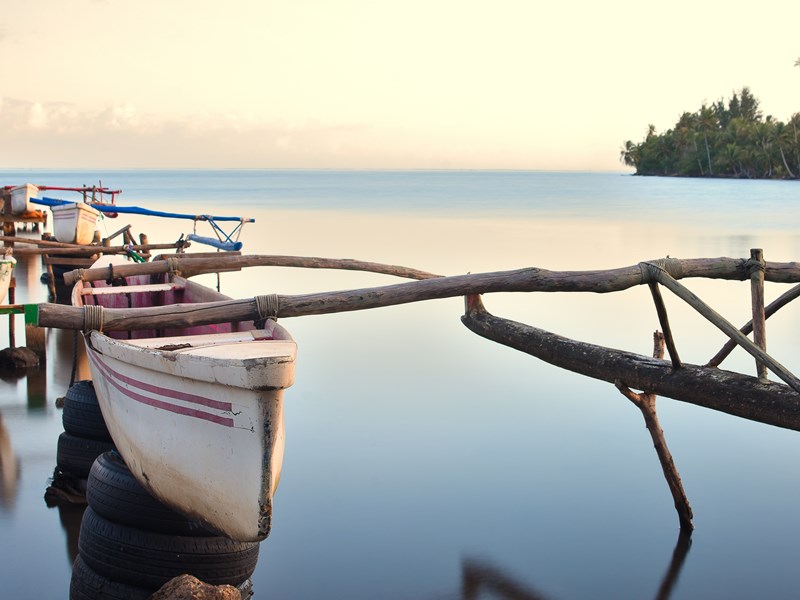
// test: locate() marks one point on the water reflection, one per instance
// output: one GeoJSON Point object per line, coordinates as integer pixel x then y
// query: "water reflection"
{"type": "Point", "coordinates": [70, 516]}
{"type": "Point", "coordinates": [679, 555]}
{"type": "Point", "coordinates": [479, 576]}
{"type": "Point", "coordinates": [9, 469]}
{"type": "Point", "coordinates": [74, 364]}
{"type": "Point", "coordinates": [37, 388]}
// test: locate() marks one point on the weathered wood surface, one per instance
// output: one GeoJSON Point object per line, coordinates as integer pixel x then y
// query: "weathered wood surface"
{"type": "Point", "coordinates": [189, 266]}
{"type": "Point", "coordinates": [732, 393]}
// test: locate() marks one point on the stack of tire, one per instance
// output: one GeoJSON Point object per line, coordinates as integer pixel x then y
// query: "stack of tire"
{"type": "Point", "coordinates": [85, 434]}
{"type": "Point", "coordinates": [131, 544]}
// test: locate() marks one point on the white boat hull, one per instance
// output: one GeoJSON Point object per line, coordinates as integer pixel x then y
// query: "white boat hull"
{"type": "Point", "coordinates": [21, 198]}
{"type": "Point", "coordinates": [198, 419]}
{"type": "Point", "coordinates": [74, 223]}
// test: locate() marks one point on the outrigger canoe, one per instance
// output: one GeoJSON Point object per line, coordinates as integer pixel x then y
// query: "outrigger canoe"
{"type": "Point", "coordinates": [196, 413]}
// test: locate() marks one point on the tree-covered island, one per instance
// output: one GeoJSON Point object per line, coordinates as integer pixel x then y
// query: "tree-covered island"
{"type": "Point", "coordinates": [730, 139]}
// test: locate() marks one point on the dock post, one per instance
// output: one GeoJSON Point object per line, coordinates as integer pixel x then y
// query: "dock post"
{"type": "Point", "coordinates": [756, 266]}
{"type": "Point", "coordinates": [144, 242]}
{"type": "Point", "coordinates": [51, 277]}
{"type": "Point", "coordinates": [9, 227]}
{"type": "Point", "coordinates": [12, 330]}
{"type": "Point", "coordinates": [35, 337]}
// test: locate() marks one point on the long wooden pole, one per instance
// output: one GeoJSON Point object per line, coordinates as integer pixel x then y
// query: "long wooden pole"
{"type": "Point", "coordinates": [90, 250]}
{"type": "Point", "coordinates": [532, 279]}
{"type": "Point", "coordinates": [522, 280]}
{"type": "Point", "coordinates": [38, 242]}
{"type": "Point", "coordinates": [188, 266]}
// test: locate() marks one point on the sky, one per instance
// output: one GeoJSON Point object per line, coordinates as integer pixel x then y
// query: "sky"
{"type": "Point", "coordinates": [374, 84]}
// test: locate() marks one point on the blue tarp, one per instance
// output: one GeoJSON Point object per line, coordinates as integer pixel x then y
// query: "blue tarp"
{"type": "Point", "coordinates": [137, 210]}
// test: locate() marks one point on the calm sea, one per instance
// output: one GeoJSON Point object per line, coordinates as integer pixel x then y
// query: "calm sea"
{"type": "Point", "coordinates": [424, 462]}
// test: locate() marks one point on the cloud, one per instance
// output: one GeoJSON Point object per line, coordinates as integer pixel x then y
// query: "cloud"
{"type": "Point", "coordinates": [40, 134]}
{"type": "Point", "coordinates": [119, 136]}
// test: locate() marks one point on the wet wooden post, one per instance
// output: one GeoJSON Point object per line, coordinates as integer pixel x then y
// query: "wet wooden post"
{"type": "Point", "coordinates": [12, 333]}
{"type": "Point", "coordinates": [51, 277]}
{"type": "Point", "coordinates": [756, 266]}
{"type": "Point", "coordinates": [9, 228]}
{"type": "Point", "coordinates": [144, 242]}
{"type": "Point", "coordinates": [35, 337]}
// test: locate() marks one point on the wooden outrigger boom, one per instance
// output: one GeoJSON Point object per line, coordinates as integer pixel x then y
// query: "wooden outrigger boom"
{"type": "Point", "coordinates": [750, 397]}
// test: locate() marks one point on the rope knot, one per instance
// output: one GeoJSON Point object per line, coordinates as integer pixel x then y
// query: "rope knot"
{"type": "Point", "coordinates": [652, 269]}
{"type": "Point", "coordinates": [172, 263]}
{"type": "Point", "coordinates": [267, 306]}
{"type": "Point", "coordinates": [92, 318]}
{"type": "Point", "coordinates": [753, 266]}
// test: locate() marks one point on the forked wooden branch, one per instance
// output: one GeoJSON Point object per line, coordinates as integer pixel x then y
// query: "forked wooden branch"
{"type": "Point", "coordinates": [646, 402]}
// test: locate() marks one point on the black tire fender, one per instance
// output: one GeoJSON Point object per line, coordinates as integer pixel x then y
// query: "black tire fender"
{"type": "Point", "coordinates": [75, 455]}
{"type": "Point", "coordinates": [85, 584]}
{"type": "Point", "coordinates": [114, 493]}
{"type": "Point", "coordinates": [81, 415]}
{"type": "Point", "coordinates": [148, 559]}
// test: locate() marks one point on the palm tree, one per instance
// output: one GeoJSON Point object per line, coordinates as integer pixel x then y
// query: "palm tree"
{"type": "Point", "coordinates": [707, 121]}
{"type": "Point", "coordinates": [795, 123]}
{"type": "Point", "coordinates": [785, 137]}
{"type": "Point", "coordinates": [629, 154]}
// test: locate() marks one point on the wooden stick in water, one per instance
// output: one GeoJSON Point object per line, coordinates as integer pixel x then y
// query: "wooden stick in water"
{"type": "Point", "coordinates": [646, 403]}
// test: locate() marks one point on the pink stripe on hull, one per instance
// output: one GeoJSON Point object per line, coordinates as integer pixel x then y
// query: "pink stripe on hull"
{"type": "Point", "coordinates": [115, 378]}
